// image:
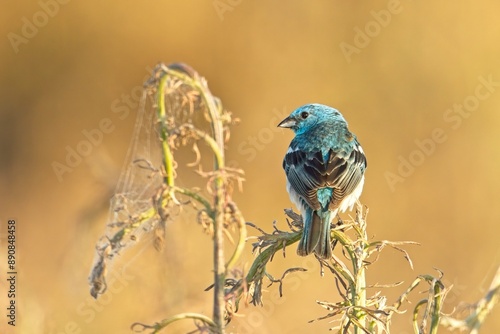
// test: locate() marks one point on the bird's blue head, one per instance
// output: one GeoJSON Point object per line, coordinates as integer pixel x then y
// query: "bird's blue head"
{"type": "Point", "coordinates": [309, 116]}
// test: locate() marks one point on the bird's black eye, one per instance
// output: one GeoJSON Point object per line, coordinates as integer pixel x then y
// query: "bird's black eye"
{"type": "Point", "coordinates": [304, 114]}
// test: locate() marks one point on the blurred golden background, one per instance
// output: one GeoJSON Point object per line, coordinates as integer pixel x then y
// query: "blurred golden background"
{"type": "Point", "coordinates": [419, 84]}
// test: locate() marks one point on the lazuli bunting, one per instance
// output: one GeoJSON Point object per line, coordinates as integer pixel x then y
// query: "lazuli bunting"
{"type": "Point", "coordinates": [325, 168]}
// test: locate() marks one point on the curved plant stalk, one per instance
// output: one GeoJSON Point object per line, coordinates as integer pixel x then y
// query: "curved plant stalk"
{"type": "Point", "coordinates": [216, 144]}
{"type": "Point", "coordinates": [356, 251]}
{"type": "Point", "coordinates": [189, 76]}
{"type": "Point", "coordinates": [242, 237]}
{"type": "Point", "coordinates": [168, 159]}
{"type": "Point", "coordinates": [485, 305]}
{"type": "Point", "coordinates": [156, 328]}
{"type": "Point", "coordinates": [480, 311]}
{"type": "Point", "coordinates": [189, 92]}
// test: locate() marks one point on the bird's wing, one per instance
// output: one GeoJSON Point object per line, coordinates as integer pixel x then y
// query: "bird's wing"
{"type": "Point", "coordinates": [309, 171]}
{"type": "Point", "coordinates": [304, 176]}
{"type": "Point", "coordinates": [344, 172]}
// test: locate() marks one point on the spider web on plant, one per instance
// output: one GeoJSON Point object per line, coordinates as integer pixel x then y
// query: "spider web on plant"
{"type": "Point", "coordinates": [136, 206]}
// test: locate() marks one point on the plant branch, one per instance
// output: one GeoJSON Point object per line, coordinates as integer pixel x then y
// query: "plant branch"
{"type": "Point", "coordinates": [167, 153]}
{"type": "Point", "coordinates": [156, 328]}
{"type": "Point", "coordinates": [196, 196]}
{"type": "Point", "coordinates": [240, 246]}
{"type": "Point", "coordinates": [481, 310]}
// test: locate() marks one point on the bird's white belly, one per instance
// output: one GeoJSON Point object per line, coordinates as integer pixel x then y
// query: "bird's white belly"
{"type": "Point", "coordinates": [351, 199]}
{"type": "Point", "coordinates": [296, 199]}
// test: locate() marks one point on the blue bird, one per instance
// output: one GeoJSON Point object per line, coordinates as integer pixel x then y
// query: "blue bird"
{"type": "Point", "coordinates": [325, 168]}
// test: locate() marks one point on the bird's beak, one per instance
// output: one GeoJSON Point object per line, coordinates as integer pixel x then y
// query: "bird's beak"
{"type": "Point", "coordinates": [287, 123]}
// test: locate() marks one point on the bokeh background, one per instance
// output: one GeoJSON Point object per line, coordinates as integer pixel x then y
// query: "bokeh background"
{"type": "Point", "coordinates": [396, 69]}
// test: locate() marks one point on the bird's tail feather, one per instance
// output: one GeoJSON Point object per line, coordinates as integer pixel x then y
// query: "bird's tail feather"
{"type": "Point", "coordinates": [316, 236]}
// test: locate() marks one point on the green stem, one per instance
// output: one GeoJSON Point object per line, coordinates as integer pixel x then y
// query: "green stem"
{"type": "Point", "coordinates": [347, 243]}
{"type": "Point", "coordinates": [196, 196]}
{"type": "Point", "coordinates": [437, 303]}
{"type": "Point", "coordinates": [167, 153]}
{"type": "Point", "coordinates": [416, 326]}
{"type": "Point", "coordinates": [357, 254]}
{"type": "Point", "coordinates": [258, 267]}
{"type": "Point", "coordinates": [219, 266]}
{"type": "Point", "coordinates": [218, 152]}
{"type": "Point", "coordinates": [242, 229]}
{"type": "Point", "coordinates": [359, 296]}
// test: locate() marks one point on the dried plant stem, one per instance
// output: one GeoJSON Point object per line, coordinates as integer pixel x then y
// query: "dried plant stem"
{"type": "Point", "coordinates": [359, 298]}
{"type": "Point", "coordinates": [139, 327]}
{"type": "Point", "coordinates": [219, 262]}
{"type": "Point", "coordinates": [257, 270]}
{"type": "Point", "coordinates": [213, 107]}
{"type": "Point", "coordinates": [359, 293]}
{"type": "Point", "coordinates": [479, 313]}
{"type": "Point", "coordinates": [358, 254]}
{"type": "Point", "coordinates": [217, 145]}
{"type": "Point", "coordinates": [485, 305]}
